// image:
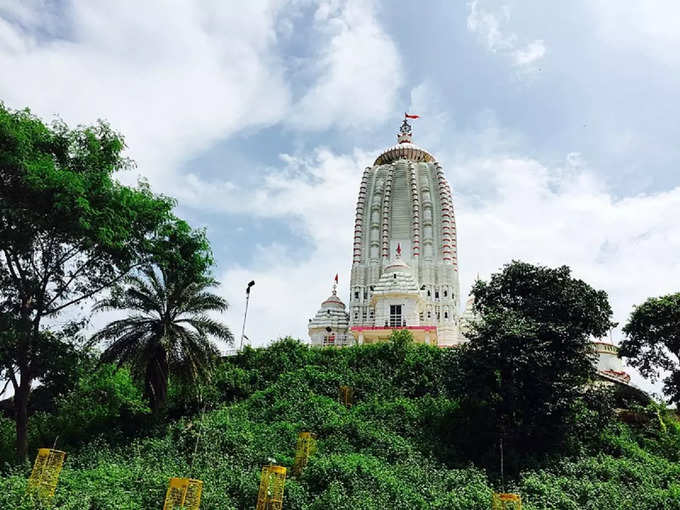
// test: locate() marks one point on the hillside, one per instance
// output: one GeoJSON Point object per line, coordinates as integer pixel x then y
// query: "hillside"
{"type": "Point", "coordinates": [397, 447]}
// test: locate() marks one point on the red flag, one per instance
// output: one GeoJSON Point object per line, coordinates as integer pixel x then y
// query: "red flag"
{"type": "Point", "coordinates": [411, 116]}
{"type": "Point", "coordinates": [336, 277]}
{"type": "Point", "coordinates": [399, 249]}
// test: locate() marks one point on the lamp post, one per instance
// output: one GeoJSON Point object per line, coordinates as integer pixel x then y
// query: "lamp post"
{"type": "Point", "coordinates": [243, 330]}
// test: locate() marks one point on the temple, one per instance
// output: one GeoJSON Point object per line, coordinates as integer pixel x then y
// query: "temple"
{"type": "Point", "coordinates": [404, 260]}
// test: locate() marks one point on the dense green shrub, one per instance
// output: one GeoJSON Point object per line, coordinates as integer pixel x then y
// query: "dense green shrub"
{"type": "Point", "coordinates": [395, 448]}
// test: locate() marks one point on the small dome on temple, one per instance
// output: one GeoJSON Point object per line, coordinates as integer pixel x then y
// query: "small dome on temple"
{"type": "Point", "coordinates": [333, 301]}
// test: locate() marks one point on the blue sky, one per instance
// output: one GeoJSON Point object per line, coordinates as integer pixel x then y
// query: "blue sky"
{"type": "Point", "coordinates": [556, 123]}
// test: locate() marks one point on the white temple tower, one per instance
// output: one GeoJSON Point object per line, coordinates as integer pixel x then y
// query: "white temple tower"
{"type": "Point", "coordinates": [405, 201]}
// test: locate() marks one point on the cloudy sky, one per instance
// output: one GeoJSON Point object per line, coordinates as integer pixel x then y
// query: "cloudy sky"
{"type": "Point", "coordinates": [556, 123]}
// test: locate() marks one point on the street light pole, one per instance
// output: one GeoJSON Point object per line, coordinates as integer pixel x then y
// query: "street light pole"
{"type": "Point", "coordinates": [243, 330]}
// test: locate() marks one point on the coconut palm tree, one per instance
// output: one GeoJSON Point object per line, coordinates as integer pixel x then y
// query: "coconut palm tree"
{"type": "Point", "coordinates": [168, 329]}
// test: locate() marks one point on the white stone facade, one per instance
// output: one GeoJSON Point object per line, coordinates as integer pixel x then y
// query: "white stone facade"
{"type": "Point", "coordinates": [405, 201]}
{"type": "Point", "coordinates": [609, 365]}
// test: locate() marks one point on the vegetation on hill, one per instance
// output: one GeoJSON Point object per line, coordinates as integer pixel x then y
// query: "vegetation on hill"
{"type": "Point", "coordinates": [397, 447]}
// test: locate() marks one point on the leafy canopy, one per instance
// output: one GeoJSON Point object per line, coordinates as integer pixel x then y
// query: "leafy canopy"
{"type": "Point", "coordinates": [530, 353]}
{"type": "Point", "coordinates": [652, 342]}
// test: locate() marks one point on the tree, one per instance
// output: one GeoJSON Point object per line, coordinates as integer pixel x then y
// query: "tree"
{"type": "Point", "coordinates": [169, 328]}
{"type": "Point", "coordinates": [529, 354]}
{"type": "Point", "coordinates": [68, 230]}
{"type": "Point", "coordinates": [652, 342]}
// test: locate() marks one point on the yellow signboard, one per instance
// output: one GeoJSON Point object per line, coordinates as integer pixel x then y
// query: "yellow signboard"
{"type": "Point", "coordinates": [306, 446]}
{"type": "Point", "coordinates": [45, 475]}
{"type": "Point", "coordinates": [183, 493]}
{"type": "Point", "coordinates": [270, 495]}
{"type": "Point", "coordinates": [505, 501]}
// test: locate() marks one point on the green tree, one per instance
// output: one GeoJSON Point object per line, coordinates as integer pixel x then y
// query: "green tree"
{"type": "Point", "coordinates": [68, 231]}
{"type": "Point", "coordinates": [652, 342]}
{"type": "Point", "coordinates": [169, 328]}
{"type": "Point", "coordinates": [529, 355]}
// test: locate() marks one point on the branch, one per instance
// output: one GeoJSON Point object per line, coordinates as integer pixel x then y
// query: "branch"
{"type": "Point", "coordinates": [93, 292]}
{"type": "Point", "coordinates": [5, 388]}
{"type": "Point", "coordinates": [13, 273]}
{"type": "Point", "coordinates": [13, 379]}
{"type": "Point", "coordinates": [70, 281]}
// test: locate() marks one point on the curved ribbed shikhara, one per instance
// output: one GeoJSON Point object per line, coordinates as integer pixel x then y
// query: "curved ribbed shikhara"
{"type": "Point", "coordinates": [449, 249]}
{"type": "Point", "coordinates": [415, 207]}
{"type": "Point", "coordinates": [386, 214]}
{"type": "Point", "coordinates": [358, 222]}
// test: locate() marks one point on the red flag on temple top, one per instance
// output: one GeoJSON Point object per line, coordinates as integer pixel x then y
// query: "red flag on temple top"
{"type": "Point", "coordinates": [336, 277]}
{"type": "Point", "coordinates": [411, 116]}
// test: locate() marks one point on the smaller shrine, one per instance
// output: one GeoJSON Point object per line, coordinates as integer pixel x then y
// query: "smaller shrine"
{"type": "Point", "coordinates": [330, 325]}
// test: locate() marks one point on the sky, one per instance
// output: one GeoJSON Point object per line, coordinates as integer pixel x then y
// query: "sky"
{"type": "Point", "coordinates": [555, 122]}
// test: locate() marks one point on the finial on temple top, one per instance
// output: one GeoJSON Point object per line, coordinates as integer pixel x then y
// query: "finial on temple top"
{"type": "Point", "coordinates": [404, 135]}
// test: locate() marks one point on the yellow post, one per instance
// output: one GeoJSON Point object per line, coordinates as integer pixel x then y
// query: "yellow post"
{"type": "Point", "coordinates": [183, 493]}
{"type": "Point", "coordinates": [306, 446]}
{"type": "Point", "coordinates": [346, 395]}
{"type": "Point", "coordinates": [270, 495]}
{"type": "Point", "coordinates": [505, 501]}
{"type": "Point", "coordinates": [45, 475]}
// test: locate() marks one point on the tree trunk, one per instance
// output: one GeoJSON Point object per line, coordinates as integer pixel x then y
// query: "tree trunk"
{"type": "Point", "coordinates": [21, 397]}
{"type": "Point", "coordinates": [157, 373]}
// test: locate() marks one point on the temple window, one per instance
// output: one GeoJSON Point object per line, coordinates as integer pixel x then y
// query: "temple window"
{"type": "Point", "coordinates": [395, 316]}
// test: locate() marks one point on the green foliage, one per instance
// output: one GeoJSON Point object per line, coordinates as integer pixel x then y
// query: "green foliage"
{"type": "Point", "coordinates": [102, 400]}
{"type": "Point", "coordinates": [528, 359]}
{"type": "Point", "coordinates": [652, 342]}
{"type": "Point", "coordinates": [392, 449]}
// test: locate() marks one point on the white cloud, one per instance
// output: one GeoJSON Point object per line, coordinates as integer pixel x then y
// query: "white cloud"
{"type": "Point", "coordinates": [534, 51]}
{"type": "Point", "coordinates": [317, 196]}
{"type": "Point", "coordinates": [650, 27]}
{"type": "Point", "coordinates": [359, 71]}
{"type": "Point", "coordinates": [175, 80]}
{"type": "Point", "coordinates": [489, 27]}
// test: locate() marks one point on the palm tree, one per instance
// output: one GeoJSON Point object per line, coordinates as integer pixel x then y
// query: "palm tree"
{"type": "Point", "coordinates": [169, 329]}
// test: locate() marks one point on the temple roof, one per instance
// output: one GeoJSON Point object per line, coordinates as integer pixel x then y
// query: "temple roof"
{"type": "Point", "coordinates": [332, 314]}
{"type": "Point", "coordinates": [396, 278]}
{"type": "Point", "coordinates": [404, 150]}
